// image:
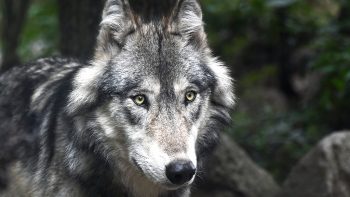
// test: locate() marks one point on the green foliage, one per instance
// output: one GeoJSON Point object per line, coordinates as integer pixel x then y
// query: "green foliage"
{"type": "Point", "coordinates": [275, 141]}
{"type": "Point", "coordinates": [333, 62]}
{"type": "Point", "coordinates": [275, 138]}
{"type": "Point", "coordinates": [40, 34]}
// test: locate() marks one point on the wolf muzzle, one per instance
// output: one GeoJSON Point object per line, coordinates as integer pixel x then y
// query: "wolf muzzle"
{"type": "Point", "coordinates": [180, 171]}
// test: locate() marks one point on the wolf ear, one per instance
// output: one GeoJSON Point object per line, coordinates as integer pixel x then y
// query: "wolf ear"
{"type": "Point", "coordinates": [116, 24]}
{"type": "Point", "coordinates": [189, 23]}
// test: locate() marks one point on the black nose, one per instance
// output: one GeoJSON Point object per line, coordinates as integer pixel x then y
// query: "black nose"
{"type": "Point", "coordinates": [180, 171]}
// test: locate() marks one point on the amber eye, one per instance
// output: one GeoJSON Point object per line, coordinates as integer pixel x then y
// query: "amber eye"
{"type": "Point", "coordinates": [190, 96]}
{"type": "Point", "coordinates": [139, 99]}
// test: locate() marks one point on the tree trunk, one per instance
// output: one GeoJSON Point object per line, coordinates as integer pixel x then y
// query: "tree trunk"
{"type": "Point", "coordinates": [13, 17]}
{"type": "Point", "coordinates": [343, 17]}
{"type": "Point", "coordinates": [79, 24]}
{"type": "Point", "coordinates": [285, 70]}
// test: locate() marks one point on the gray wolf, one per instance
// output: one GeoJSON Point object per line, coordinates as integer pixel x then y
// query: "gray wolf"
{"type": "Point", "coordinates": [135, 121]}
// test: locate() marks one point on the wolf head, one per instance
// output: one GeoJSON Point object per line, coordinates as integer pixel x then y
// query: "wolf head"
{"type": "Point", "coordinates": [155, 94]}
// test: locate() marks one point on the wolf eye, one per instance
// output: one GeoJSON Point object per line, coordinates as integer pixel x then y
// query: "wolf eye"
{"type": "Point", "coordinates": [190, 96]}
{"type": "Point", "coordinates": [139, 99]}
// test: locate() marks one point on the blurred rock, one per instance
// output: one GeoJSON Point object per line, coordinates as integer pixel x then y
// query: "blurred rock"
{"type": "Point", "coordinates": [323, 172]}
{"type": "Point", "coordinates": [229, 172]}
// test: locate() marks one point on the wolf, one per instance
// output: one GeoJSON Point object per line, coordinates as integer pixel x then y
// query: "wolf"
{"type": "Point", "coordinates": [137, 120]}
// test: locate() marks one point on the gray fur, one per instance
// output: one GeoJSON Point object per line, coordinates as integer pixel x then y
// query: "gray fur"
{"type": "Point", "coordinates": [75, 128]}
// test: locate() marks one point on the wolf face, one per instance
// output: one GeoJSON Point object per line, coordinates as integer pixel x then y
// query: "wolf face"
{"type": "Point", "coordinates": [161, 96]}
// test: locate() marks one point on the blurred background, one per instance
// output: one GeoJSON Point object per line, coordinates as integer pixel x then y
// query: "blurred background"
{"type": "Point", "coordinates": [290, 60]}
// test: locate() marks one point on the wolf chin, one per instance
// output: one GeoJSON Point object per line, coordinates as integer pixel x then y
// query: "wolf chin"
{"type": "Point", "coordinates": [136, 121]}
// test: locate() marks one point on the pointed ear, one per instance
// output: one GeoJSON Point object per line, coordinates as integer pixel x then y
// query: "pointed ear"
{"type": "Point", "coordinates": [116, 24]}
{"type": "Point", "coordinates": [189, 23]}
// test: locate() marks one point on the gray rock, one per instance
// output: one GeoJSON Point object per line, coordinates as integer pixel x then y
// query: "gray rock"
{"type": "Point", "coordinates": [231, 173]}
{"type": "Point", "coordinates": [323, 172]}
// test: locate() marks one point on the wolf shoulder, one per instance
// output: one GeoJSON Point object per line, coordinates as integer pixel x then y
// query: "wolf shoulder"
{"type": "Point", "coordinates": [22, 88]}
{"type": "Point", "coordinates": [20, 84]}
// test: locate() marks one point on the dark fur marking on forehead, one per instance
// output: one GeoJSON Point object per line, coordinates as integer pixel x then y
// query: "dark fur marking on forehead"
{"type": "Point", "coordinates": [203, 84]}
{"type": "Point", "coordinates": [112, 89]}
{"type": "Point", "coordinates": [116, 84]}
{"type": "Point", "coordinates": [165, 73]}
{"type": "Point", "coordinates": [201, 77]}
